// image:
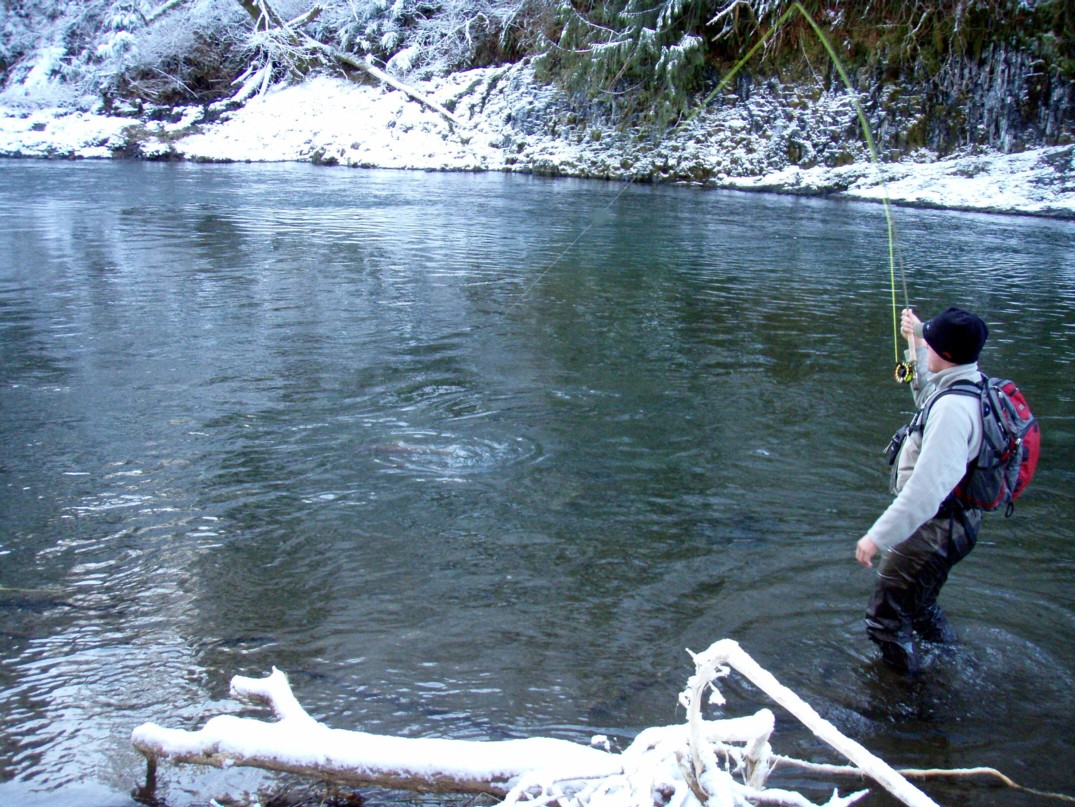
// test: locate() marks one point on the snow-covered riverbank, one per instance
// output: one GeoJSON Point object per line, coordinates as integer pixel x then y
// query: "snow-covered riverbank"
{"type": "Point", "coordinates": [513, 123]}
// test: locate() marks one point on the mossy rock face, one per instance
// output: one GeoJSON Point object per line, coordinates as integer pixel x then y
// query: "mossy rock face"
{"type": "Point", "coordinates": [843, 158]}
{"type": "Point", "coordinates": [547, 168]}
{"type": "Point", "coordinates": [917, 135]}
{"type": "Point", "coordinates": [1009, 56]}
{"type": "Point", "coordinates": [801, 154]}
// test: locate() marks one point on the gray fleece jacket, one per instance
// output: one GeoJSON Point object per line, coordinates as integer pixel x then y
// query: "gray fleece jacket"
{"type": "Point", "coordinates": [933, 461]}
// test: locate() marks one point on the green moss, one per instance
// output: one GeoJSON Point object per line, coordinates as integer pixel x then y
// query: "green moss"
{"type": "Point", "coordinates": [628, 47]}
{"type": "Point", "coordinates": [843, 158]}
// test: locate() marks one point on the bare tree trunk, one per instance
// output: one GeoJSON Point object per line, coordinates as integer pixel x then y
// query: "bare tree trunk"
{"type": "Point", "coordinates": [263, 15]}
{"type": "Point", "coordinates": [380, 75]}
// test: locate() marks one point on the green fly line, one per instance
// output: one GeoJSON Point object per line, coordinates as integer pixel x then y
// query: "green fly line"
{"type": "Point", "coordinates": [904, 370]}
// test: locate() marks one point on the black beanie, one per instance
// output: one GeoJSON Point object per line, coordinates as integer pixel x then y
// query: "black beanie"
{"type": "Point", "coordinates": [956, 335]}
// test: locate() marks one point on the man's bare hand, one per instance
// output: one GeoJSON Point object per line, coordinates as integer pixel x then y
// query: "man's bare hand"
{"type": "Point", "coordinates": [865, 550]}
{"type": "Point", "coordinates": [908, 320]}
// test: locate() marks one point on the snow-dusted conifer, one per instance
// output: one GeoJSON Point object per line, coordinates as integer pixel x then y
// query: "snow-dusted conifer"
{"type": "Point", "coordinates": [641, 55]}
{"type": "Point", "coordinates": [120, 21]}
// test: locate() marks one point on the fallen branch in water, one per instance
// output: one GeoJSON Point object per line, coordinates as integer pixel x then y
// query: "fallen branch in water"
{"type": "Point", "coordinates": [705, 762]}
{"type": "Point", "coordinates": [939, 773]}
{"type": "Point", "coordinates": [727, 652]}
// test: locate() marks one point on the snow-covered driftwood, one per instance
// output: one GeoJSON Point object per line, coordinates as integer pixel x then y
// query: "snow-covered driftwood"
{"type": "Point", "coordinates": [296, 743]}
{"type": "Point", "coordinates": [704, 762]}
{"type": "Point", "coordinates": [714, 662]}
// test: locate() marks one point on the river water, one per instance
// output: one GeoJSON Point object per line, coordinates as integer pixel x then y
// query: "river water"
{"type": "Point", "coordinates": [481, 456]}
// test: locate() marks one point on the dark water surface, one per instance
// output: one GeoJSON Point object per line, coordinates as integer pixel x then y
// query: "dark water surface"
{"type": "Point", "coordinates": [368, 428]}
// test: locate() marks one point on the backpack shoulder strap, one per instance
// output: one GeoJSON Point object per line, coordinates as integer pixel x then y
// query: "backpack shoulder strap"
{"type": "Point", "coordinates": [972, 389]}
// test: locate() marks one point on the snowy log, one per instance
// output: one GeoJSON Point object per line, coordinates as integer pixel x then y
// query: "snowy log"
{"type": "Point", "coordinates": [162, 9]}
{"type": "Point", "coordinates": [391, 81]}
{"type": "Point", "coordinates": [296, 743]}
{"type": "Point", "coordinates": [706, 763]}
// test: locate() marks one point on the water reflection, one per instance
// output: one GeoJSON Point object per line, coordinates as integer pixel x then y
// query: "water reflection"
{"type": "Point", "coordinates": [382, 431]}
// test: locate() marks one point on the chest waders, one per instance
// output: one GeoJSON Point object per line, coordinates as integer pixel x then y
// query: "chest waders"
{"type": "Point", "coordinates": [903, 607]}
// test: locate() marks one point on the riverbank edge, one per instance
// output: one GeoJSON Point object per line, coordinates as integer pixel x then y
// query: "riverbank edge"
{"type": "Point", "coordinates": [784, 140]}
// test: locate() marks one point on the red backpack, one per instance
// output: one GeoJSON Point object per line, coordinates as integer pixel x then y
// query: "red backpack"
{"type": "Point", "coordinates": [1011, 442]}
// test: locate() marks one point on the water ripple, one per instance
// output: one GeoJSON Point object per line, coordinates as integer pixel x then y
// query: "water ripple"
{"type": "Point", "coordinates": [449, 456]}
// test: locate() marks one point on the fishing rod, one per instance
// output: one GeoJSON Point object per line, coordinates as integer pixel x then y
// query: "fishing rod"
{"type": "Point", "coordinates": [905, 370]}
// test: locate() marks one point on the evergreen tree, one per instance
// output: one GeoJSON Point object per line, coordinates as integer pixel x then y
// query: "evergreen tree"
{"type": "Point", "coordinates": [643, 55]}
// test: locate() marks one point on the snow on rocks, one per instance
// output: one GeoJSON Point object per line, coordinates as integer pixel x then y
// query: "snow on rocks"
{"type": "Point", "coordinates": [59, 133]}
{"type": "Point", "coordinates": [776, 141]}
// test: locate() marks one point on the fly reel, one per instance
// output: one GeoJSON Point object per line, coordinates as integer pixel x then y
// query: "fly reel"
{"type": "Point", "coordinates": [904, 373]}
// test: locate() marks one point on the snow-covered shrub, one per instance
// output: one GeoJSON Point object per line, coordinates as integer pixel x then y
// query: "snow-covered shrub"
{"type": "Point", "coordinates": [418, 39]}
{"type": "Point", "coordinates": [53, 51]}
{"type": "Point", "coordinates": [118, 43]}
{"type": "Point", "coordinates": [15, 37]}
{"type": "Point", "coordinates": [190, 53]}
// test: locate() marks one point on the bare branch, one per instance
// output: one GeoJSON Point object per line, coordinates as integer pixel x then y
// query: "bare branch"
{"type": "Point", "coordinates": [303, 19]}
{"type": "Point", "coordinates": [163, 9]}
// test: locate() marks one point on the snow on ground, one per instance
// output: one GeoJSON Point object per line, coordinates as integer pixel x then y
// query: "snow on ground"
{"type": "Point", "coordinates": [1038, 182]}
{"type": "Point", "coordinates": [514, 124]}
{"type": "Point", "coordinates": [333, 121]}
{"type": "Point", "coordinates": [59, 133]}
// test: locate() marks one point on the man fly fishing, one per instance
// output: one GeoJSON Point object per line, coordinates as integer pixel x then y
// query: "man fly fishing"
{"type": "Point", "coordinates": [925, 531]}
